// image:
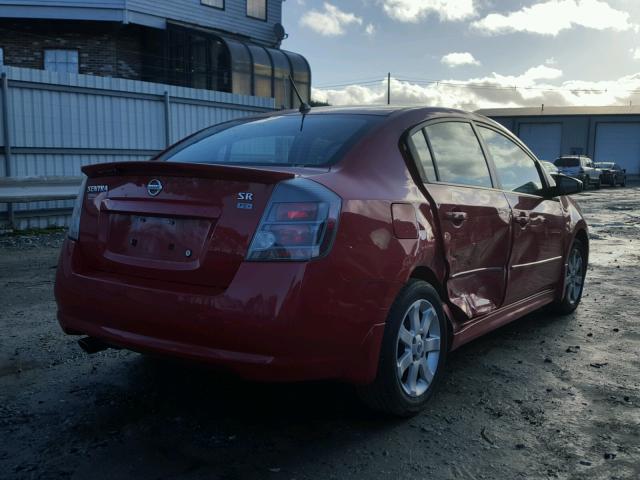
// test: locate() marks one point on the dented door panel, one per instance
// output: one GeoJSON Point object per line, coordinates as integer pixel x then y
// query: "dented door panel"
{"type": "Point", "coordinates": [476, 233]}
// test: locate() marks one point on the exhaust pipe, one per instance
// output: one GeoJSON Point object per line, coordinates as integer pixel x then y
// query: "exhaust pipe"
{"type": "Point", "coordinates": [92, 345]}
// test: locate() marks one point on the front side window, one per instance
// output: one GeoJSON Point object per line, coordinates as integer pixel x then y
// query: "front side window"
{"type": "Point", "coordinates": [457, 154]}
{"type": "Point", "coordinates": [257, 9]}
{"type": "Point", "coordinates": [283, 140]}
{"type": "Point", "coordinates": [213, 3]}
{"type": "Point", "coordinates": [516, 170]}
{"type": "Point", "coordinates": [63, 61]}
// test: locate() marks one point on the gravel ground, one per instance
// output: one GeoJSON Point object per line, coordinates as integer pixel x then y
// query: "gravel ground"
{"type": "Point", "coordinates": [544, 397]}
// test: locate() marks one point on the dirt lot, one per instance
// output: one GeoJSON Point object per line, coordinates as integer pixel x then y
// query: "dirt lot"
{"type": "Point", "coordinates": [545, 397]}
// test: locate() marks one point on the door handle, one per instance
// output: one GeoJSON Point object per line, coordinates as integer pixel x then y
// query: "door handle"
{"type": "Point", "coordinates": [522, 219]}
{"type": "Point", "coordinates": [456, 217]}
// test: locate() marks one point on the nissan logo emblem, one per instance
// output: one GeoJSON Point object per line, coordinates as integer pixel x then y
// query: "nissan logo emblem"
{"type": "Point", "coordinates": [154, 187]}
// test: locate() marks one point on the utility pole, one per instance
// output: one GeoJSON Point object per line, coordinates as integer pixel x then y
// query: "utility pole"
{"type": "Point", "coordinates": [389, 88]}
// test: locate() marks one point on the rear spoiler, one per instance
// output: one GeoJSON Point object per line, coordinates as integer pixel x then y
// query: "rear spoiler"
{"type": "Point", "coordinates": [221, 172]}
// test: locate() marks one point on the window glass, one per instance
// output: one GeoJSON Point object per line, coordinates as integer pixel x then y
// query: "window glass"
{"type": "Point", "coordinates": [301, 76]}
{"type": "Point", "coordinates": [567, 162]}
{"type": "Point", "coordinates": [281, 85]}
{"type": "Point", "coordinates": [257, 9]}
{"type": "Point", "coordinates": [213, 3]}
{"type": "Point", "coordinates": [516, 170]}
{"type": "Point", "coordinates": [424, 155]}
{"type": "Point", "coordinates": [262, 71]}
{"type": "Point", "coordinates": [282, 140]}
{"type": "Point", "coordinates": [64, 61]}
{"type": "Point", "coordinates": [242, 67]}
{"type": "Point", "coordinates": [458, 155]}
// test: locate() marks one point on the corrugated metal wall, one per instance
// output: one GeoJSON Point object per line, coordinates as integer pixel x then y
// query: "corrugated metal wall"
{"type": "Point", "coordinates": [59, 122]}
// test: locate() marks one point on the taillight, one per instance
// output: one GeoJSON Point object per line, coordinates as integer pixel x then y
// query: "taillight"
{"type": "Point", "coordinates": [299, 223]}
{"type": "Point", "coordinates": [74, 224]}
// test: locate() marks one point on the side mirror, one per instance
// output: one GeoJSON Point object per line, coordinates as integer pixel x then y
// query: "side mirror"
{"type": "Point", "coordinates": [565, 185]}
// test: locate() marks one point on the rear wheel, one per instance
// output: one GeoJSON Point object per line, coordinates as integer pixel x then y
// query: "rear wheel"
{"type": "Point", "coordinates": [412, 355]}
{"type": "Point", "coordinates": [587, 183]}
{"type": "Point", "coordinates": [574, 279]}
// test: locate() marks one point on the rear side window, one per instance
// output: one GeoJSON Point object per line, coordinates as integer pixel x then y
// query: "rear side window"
{"type": "Point", "coordinates": [286, 140]}
{"type": "Point", "coordinates": [457, 154]}
{"type": "Point", "coordinates": [516, 170]}
{"type": "Point", "coordinates": [424, 155]}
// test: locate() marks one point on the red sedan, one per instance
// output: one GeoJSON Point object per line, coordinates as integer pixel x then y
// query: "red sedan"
{"type": "Point", "coordinates": [359, 244]}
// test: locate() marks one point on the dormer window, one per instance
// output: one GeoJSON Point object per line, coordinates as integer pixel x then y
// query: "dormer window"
{"type": "Point", "coordinates": [213, 3]}
{"type": "Point", "coordinates": [257, 9]}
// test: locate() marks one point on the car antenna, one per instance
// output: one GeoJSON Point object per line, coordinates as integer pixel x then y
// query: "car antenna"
{"type": "Point", "coordinates": [304, 107]}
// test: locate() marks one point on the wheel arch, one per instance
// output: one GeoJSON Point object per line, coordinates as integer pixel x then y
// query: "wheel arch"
{"type": "Point", "coordinates": [581, 234]}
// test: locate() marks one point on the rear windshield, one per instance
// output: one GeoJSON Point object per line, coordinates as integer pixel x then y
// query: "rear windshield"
{"type": "Point", "coordinates": [567, 162]}
{"type": "Point", "coordinates": [319, 140]}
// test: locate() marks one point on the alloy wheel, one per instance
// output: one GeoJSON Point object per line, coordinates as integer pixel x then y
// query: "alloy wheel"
{"type": "Point", "coordinates": [418, 348]}
{"type": "Point", "coordinates": [575, 276]}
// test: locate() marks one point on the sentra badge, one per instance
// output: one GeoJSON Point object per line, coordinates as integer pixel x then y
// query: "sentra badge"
{"type": "Point", "coordinates": [97, 188]}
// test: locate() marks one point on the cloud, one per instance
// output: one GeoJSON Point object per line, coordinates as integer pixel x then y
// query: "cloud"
{"type": "Point", "coordinates": [551, 17]}
{"type": "Point", "coordinates": [458, 59]}
{"type": "Point", "coordinates": [329, 22]}
{"type": "Point", "coordinates": [415, 10]}
{"type": "Point", "coordinates": [531, 88]}
{"type": "Point", "coordinates": [370, 29]}
{"type": "Point", "coordinates": [635, 53]}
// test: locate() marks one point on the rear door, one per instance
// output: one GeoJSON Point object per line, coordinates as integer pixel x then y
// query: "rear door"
{"type": "Point", "coordinates": [473, 217]}
{"type": "Point", "coordinates": [535, 263]}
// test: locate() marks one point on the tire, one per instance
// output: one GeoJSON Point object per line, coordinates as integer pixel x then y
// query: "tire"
{"type": "Point", "coordinates": [598, 184]}
{"type": "Point", "coordinates": [423, 355]}
{"type": "Point", "coordinates": [586, 184]}
{"type": "Point", "coordinates": [571, 298]}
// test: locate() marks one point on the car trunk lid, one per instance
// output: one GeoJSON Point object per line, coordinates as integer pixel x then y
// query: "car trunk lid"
{"type": "Point", "coordinates": [177, 222]}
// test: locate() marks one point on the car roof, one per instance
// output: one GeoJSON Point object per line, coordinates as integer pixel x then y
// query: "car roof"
{"type": "Point", "coordinates": [385, 110]}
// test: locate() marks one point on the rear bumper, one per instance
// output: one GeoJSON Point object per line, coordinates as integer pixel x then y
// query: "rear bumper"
{"type": "Point", "coordinates": [274, 322]}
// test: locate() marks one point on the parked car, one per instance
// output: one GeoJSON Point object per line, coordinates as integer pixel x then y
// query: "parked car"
{"type": "Point", "coordinates": [612, 174]}
{"type": "Point", "coordinates": [359, 244]}
{"type": "Point", "coordinates": [580, 167]}
{"type": "Point", "coordinates": [549, 167]}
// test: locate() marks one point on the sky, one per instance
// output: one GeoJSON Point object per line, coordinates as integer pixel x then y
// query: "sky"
{"type": "Point", "coordinates": [469, 54]}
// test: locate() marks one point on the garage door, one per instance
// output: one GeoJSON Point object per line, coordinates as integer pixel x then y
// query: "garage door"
{"type": "Point", "coordinates": [620, 143]}
{"type": "Point", "coordinates": [544, 139]}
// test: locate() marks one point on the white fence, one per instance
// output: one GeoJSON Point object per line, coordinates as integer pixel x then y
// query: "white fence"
{"type": "Point", "coordinates": [53, 123]}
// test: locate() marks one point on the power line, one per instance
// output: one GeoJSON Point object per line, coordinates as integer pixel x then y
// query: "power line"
{"type": "Point", "coordinates": [479, 86]}
{"type": "Point", "coordinates": [348, 84]}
